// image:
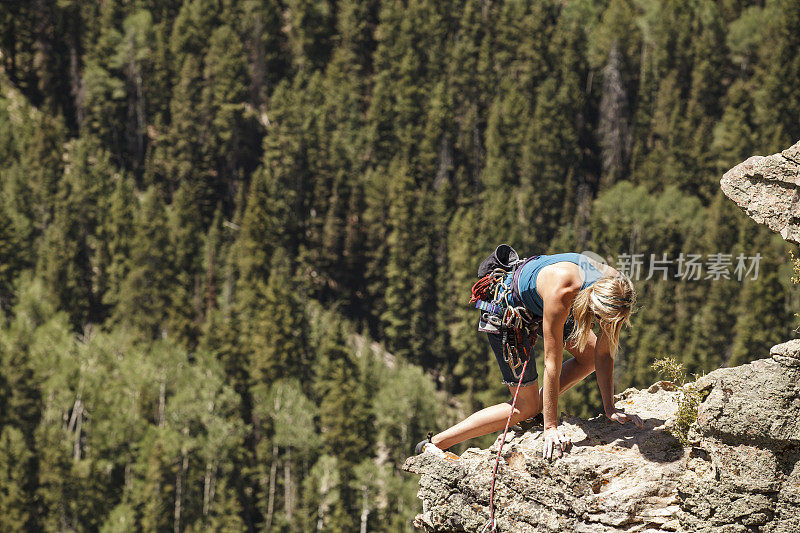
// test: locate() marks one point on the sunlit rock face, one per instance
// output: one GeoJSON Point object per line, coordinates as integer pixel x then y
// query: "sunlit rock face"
{"type": "Point", "coordinates": [768, 190]}
{"type": "Point", "coordinates": [740, 473]}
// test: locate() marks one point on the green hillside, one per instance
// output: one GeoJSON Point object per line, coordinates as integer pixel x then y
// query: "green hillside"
{"type": "Point", "coordinates": [237, 237]}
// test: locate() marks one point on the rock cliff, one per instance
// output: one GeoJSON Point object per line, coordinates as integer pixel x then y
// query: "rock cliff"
{"type": "Point", "coordinates": [768, 190]}
{"type": "Point", "coordinates": [741, 472]}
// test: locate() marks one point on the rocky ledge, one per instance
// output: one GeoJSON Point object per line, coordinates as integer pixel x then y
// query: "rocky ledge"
{"type": "Point", "coordinates": [740, 473]}
{"type": "Point", "coordinates": [768, 190]}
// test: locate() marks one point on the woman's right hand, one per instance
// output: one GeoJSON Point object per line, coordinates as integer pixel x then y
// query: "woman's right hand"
{"type": "Point", "coordinates": [554, 443]}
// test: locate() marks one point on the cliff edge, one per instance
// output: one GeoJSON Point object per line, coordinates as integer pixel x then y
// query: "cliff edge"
{"type": "Point", "coordinates": [741, 472]}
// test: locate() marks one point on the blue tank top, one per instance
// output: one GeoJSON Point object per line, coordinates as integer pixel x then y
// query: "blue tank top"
{"type": "Point", "coordinates": [527, 277]}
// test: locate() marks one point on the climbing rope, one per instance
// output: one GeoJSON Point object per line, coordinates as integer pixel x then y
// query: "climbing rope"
{"type": "Point", "coordinates": [492, 521]}
{"type": "Point", "coordinates": [484, 286]}
{"type": "Point", "coordinates": [494, 296]}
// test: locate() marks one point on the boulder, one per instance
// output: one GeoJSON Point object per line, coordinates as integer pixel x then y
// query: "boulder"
{"type": "Point", "coordinates": [766, 188]}
{"type": "Point", "coordinates": [787, 353]}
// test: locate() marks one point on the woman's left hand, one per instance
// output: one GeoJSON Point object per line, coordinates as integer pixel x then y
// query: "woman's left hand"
{"type": "Point", "coordinates": [622, 417]}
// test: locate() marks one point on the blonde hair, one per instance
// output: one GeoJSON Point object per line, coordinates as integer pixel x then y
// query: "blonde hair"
{"type": "Point", "coordinates": [611, 298]}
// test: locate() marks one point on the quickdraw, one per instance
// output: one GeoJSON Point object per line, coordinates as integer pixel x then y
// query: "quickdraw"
{"type": "Point", "coordinates": [494, 296]}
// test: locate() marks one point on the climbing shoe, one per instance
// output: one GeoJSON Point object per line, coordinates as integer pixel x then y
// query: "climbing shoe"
{"type": "Point", "coordinates": [421, 445]}
{"type": "Point", "coordinates": [427, 446]}
{"type": "Point", "coordinates": [529, 424]}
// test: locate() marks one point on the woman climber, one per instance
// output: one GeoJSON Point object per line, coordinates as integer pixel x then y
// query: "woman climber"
{"type": "Point", "coordinates": [565, 295]}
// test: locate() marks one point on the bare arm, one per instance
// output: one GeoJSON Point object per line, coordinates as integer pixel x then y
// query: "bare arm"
{"type": "Point", "coordinates": [604, 372]}
{"type": "Point", "coordinates": [557, 303]}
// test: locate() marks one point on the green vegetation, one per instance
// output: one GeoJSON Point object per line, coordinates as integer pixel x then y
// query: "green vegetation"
{"type": "Point", "coordinates": [689, 397]}
{"type": "Point", "coordinates": [237, 238]}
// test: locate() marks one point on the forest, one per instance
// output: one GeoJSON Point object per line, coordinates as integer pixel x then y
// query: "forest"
{"type": "Point", "coordinates": [238, 237]}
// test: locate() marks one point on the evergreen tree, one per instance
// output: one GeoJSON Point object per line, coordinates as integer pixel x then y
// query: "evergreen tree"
{"type": "Point", "coordinates": [185, 227]}
{"type": "Point", "coordinates": [762, 319]}
{"type": "Point", "coordinates": [232, 140]}
{"type": "Point", "coordinates": [146, 286]}
{"type": "Point", "coordinates": [12, 260]}
{"type": "Point", "coordinates": [411, 268]}
{"type": "Point", "coordinates": [115, 234]}
{"type": "Point", "coordinates": [473, 366]}
{"type": "Point", "coordinates": [133, 59]}
{"type": "Point", "coordinates": [778, 96]}
{"type": "Point", "coordinates": [259, 23]}
{"type": "Point", "coordinates": [17, 479]}
{"type": "Point", "coordinates": [275, 327]}
{"type": "Point", "coordinates": [68, 250]}
{"type": "Point", "coordinates": [343, 419]}
{"type": "Point", "coordinates": [271, 184]}
{"type": "Point", "coordinates": [311, 28]}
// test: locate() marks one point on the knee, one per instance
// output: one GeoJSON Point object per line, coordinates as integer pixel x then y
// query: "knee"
{"type": "Point", "coordinates": [525, 411]}
{"type": "Point", "coordinates": [585, 362]}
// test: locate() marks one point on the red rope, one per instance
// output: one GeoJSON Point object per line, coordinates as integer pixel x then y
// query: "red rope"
{"type": "Point", "coordinates": [503, 441]}
{"type": "Point", "coordinates": [480, 288]}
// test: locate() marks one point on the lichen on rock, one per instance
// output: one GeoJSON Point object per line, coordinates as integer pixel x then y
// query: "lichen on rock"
{"type": "Point", "coordinates": [741, 474]}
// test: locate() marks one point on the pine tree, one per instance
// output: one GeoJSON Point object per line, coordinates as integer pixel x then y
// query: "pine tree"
{"type": "Point", "coordinates": [115, 234]}
{"type": "Point", "coordinates": [275, 328]}
{"type": "Point", "coordinates": [67, 254]}
{"type": "Point", "coordinates": [473, 367]}
{"type": "Point", "coordinates": [501, 177]}
{"type": "Point", "coordinates": [778, 96]}
{"type": "Point", "coordinates": [260, 26]}
{"type": "Point", "coordinates": [17, 479]}
{"type": "Point", "coordinates": [711, 325]}
{"type": "Point", "coordinates": [185, 227]}
{"type": "Point", "coordinates": [471, 81]}
{"type": "Point", "coordinates": [154, 475]}
{"type": "Point", "coordinates": [762, 318]}
{"type": "Point", "coordinates": [614, 45]}
{"type": "Point", "coordinates": [734, 136]}
{"type": "Point", "coordinates": [703, 106]}
{"type": "Point", "coordinates": [191, 27]}
{"type": "Point", "coordinates": [343, 417]}
{"type": "Point", "coordinates": [410, 270]}
{"type": "Point", "coordinates": [232, 142]}
{"type": "Point", "coordinates": [145, 290]}
{"type": "Point", "coordinates": [12, 260]}
{"type": "Point", "coordinates": [311, 27]}
{"type": "Point", "coordinates": [133, 59]}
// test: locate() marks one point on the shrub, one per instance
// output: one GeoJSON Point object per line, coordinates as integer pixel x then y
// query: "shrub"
{"type": "Point", "coordinates": [688, 400]}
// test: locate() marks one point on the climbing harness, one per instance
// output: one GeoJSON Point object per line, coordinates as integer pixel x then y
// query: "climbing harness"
{"type": "Point", "coordinates": [502, 311]}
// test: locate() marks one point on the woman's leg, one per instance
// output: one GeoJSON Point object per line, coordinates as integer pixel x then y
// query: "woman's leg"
{"type": "Point", "coordinates": [492, 418]}
{"type": "Point", "coordinates": [577, 368]}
